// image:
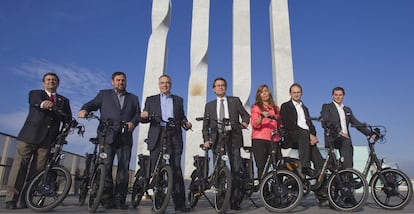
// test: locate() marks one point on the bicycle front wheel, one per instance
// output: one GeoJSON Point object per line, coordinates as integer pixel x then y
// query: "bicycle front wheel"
{"type": "Point", "coordinates": [138, 189]}
{"type": "Point", "coordinates": [281, 193]}
{"type": "Point", "coordinates": [46, 192]}
{"type": "Point", "coordinates": [162, 189]}
{"type": "Point", "coordinates": [96, 188]}
{"type": "Point", "coordinates": [391, 189]}
{"type": "Point", "coordinates": [194, 190]}
{"type": "Point", "coordinates": [223, 190]}
{"type": "Point", "coordinates": [347, 190]}
{"type": "Point", "coordinates": [83, 191]}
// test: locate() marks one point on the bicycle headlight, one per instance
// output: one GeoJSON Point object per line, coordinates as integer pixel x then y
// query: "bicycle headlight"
{"type": "Point", "coordinates": [62, 156]}
{"type": "Point", "coordinates": [166, 156]}
{"type": "Point", "coordinates": [103, 155]}
{"type": "Point", "coordinates": [224, 157]}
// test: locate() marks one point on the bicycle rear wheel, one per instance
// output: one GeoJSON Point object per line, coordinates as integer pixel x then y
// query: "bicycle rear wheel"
{"type": "Point", "coordinates": [162, 189]}
{"type": "Point", "coordinates": [391, 189]}
{"type": "Point", "coordinates": [44, 195]}
{"type": "Point", "coordinates": [138, 189]}
{"type": "Point", "coordinates": [223, 190]}
{"type": "Point", "coordinates": [347, 190]}
{"type": "Point", "coordinates": [96, 188]}
{"type": "Point", "coordinates": [281, 193]}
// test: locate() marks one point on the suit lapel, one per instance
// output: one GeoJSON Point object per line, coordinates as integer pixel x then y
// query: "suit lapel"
{"type": "Point", "coordinates": [157, 103]}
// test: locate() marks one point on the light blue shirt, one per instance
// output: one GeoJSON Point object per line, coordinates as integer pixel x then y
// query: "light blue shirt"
{"type": "Point", "coordinates": [166, 107]}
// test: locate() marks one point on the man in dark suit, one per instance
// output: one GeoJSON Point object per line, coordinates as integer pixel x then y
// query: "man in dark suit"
{"type": "Point", "coordinates": [233, 110]}
{"type": "Point", "coordinates": [337, 117]}
{"type": "Point", "coordinates": [300, 131]}
{"type": "Point", "coordinates": [167, 105]}
{"type": "Point", "coordinates": [47, 111]}
{"type": "Point", "coordinates": [123, 108]}
{"type": "Point", "coordinates": [301, 135]}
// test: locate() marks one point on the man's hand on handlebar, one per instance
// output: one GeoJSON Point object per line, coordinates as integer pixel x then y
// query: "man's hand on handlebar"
{"type": "Point", "coordinates": [187, 125]}
{"type": "Point", "coordinates": [82, 114]}
{"type": "Point", "coordinates": [144, 115]}
{"type": "Point", "coordinates": [208, 144]}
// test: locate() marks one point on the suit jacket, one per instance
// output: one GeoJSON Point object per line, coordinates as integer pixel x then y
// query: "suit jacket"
{"type": "Point", "coordinates": [289, 118]}
{"type": "Point", "coordinates": [108, 105]}
{"type": "Point", "coordinates": [236, 110]}
{"type": "Point", "coordinates": [41, 122]}
{"type": "Point", "coordinates": [331, 120]}
{"type": "Point", "coordinates": [153, 107]}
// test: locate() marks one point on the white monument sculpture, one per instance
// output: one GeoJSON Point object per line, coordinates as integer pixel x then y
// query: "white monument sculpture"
{"type": "Point", "coordinates": [282, 69]}
{"type": "Point", "coordinates": [197, 84]}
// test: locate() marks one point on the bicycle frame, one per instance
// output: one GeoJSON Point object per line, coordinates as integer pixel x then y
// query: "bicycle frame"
{"type": "Point", "coordinates": [56, 152]}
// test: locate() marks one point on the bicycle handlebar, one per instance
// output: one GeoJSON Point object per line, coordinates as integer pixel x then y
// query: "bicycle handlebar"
{"type": "Point", "coordinates": [225, 122]}
{"type": "Point", "coordinates": [170, 123]}
{"type": "Point", "coordinates": [379, 130]}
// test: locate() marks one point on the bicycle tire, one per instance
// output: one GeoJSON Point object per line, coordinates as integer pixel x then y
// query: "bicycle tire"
{"type": "Point", "coordinates": [223, 190]}
{"type": "Point", "coordinates": [96, 188]}
{"type": "Point", "coordinates": [83, 191]}
{"type": "Point", "coordinates": [284, 195]}
{"type": "Point", "coordinates": [194, 189]}
{"type": "Point", "coordinates": [343, 187]}
{"type": "Point", "coordinates": [162, 189]}
{"type": "Point", "coordinates": [43, 197]}
{"type": "Point", "coordinates": [395, 193]}
{"type": "Point", "coordinates": [138, 188]}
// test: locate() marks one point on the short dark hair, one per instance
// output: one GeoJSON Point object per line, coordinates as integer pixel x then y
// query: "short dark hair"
{"type": "Point", "coordinates": [51, 74]}
{"type": "Point", "coordinates": [338, 89]}
{"type": "Point", "coordinates": [117, 73]}
{"type": "Point", "coordinates": [297, 85]}
{"type": "Point", "coordinates": [219, 78]}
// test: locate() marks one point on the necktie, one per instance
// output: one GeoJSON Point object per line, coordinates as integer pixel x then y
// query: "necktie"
{"type": "Point", "coordinates": [121, 100]}
{"type": "Point", "coordinates": [221, 110]}
{"type": "Point", "coordinates": [52, 99]}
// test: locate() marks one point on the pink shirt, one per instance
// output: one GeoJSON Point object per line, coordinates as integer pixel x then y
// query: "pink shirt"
{"type": "Point", "coordinates": [264, 130]}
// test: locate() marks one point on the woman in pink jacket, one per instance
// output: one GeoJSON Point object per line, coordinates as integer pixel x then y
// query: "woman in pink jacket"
{"type": "Point", "coordinates": [262, 112]}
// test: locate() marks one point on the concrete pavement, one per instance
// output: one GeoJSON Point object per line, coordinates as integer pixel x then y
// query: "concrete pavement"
{"type": "Point", "coordinates": [309, 205]}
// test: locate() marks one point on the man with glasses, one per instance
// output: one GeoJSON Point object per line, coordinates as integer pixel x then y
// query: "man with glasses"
{"type": "Point", "coordinates": [226, 107]}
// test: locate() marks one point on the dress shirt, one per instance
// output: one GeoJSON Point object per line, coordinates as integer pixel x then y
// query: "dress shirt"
{"type": "Point", "coordinates": [167, 111]}
{"type": "Point", "coordinates": [301, 115]}
{"type": "Point", "coordinates": [340, 108]}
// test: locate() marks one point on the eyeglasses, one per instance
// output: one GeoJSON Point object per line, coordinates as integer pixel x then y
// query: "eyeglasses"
{"type": "Point", "coordinates": [220, 85]}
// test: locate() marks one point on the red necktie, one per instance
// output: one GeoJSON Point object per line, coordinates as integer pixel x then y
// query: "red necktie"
{"type": "Point", "coordinates": [52, 98]}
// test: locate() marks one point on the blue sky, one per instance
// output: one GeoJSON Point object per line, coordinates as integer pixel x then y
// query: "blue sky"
{"type": "Point", "coordinates": [365, 46]}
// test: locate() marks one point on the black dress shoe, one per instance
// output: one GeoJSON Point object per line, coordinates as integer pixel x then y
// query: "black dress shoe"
{"type": "Point", "coordinates": [308, 171]}
{"type": "Point", "coordinates": [235, 207]}
{"type": "Point", "coordinates": [183, 209]}
{"type": "Point", "coordinates": [109, 206]}
{"type": "Point", "coordinates": [121, 206]}
{"type": "Point", "coordinates": [323, 203]}
{"type": "Point", "coordinates": [11, 205]}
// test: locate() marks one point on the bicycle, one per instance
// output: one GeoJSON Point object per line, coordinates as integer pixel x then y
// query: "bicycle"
{"type": "Point", "coordinates": [83, 187]}
{"type": "Point", "coordinates": [281, 190]}
{"type": "Point", "coordinates": [342, 184]}
{"type": "Point", "coordinates": [160, 180]}
{"type": "Point", "coordinates": [219, 178]}
{"type": "Point", "coordinates": [93, 183]}
{"type": "Point", "coordinates": [390, 188]}
{"type": "Point", "coordinates": [50, 186]}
